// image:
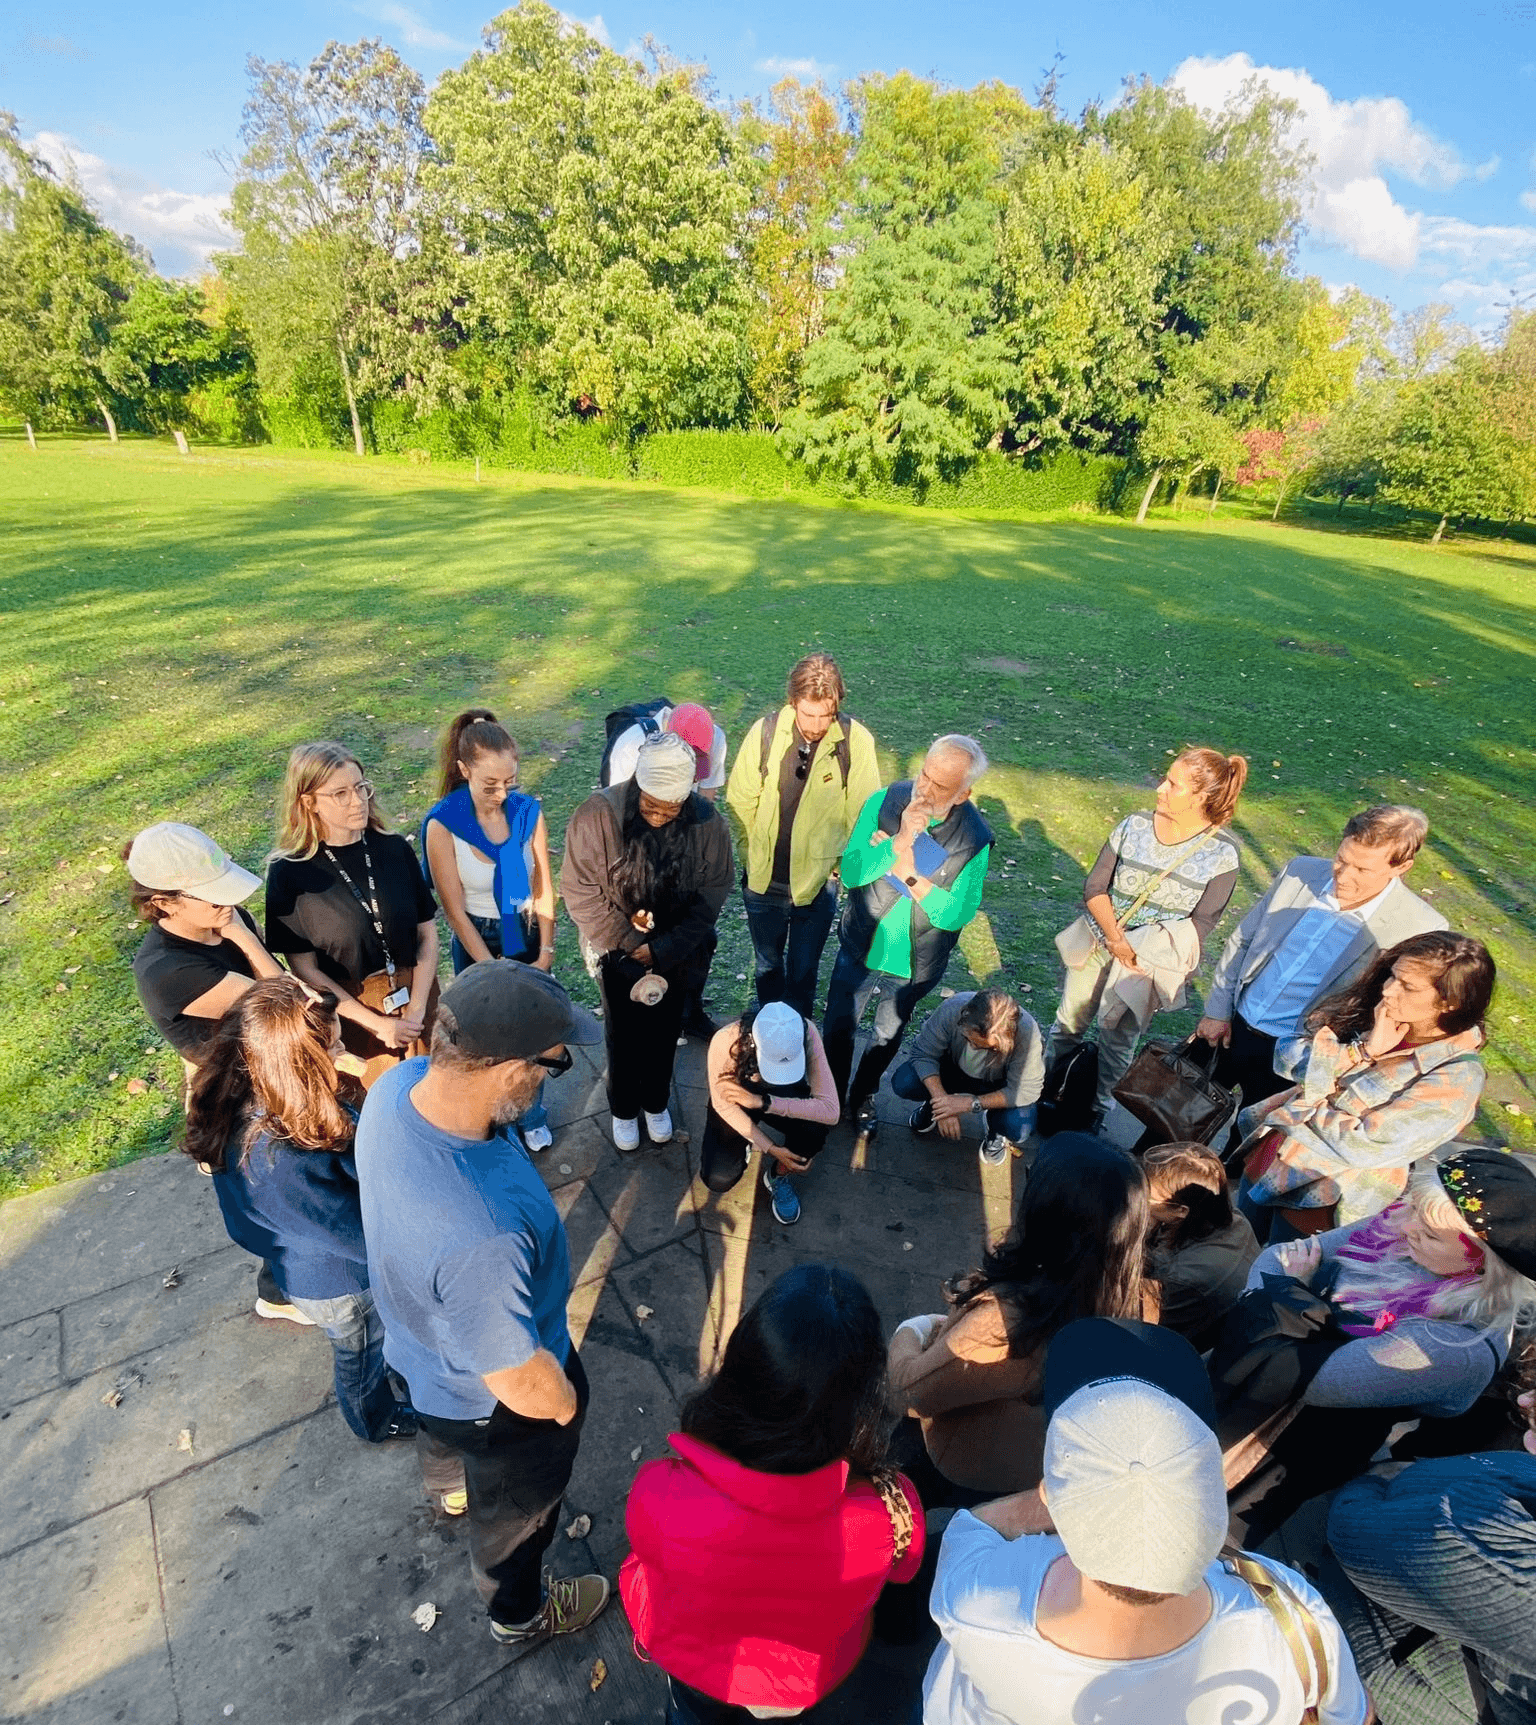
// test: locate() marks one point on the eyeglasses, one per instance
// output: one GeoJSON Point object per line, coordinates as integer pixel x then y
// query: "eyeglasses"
{"type": "Point", "coordinates": [804, 752]}
{"type": "Point", "coordinates": [562, 1062]}
{"type": "Point", "coordinates": [362, 790]}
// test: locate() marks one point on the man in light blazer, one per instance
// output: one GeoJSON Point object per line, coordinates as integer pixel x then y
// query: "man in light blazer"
{"type": "Point", "coordinates": [1319, 925]}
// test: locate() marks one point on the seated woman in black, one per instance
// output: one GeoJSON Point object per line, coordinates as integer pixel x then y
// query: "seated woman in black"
{"type": "Point", "coordinates": [771, 1062]}
{"type": "Point", "coordinates": [1200, 1248]}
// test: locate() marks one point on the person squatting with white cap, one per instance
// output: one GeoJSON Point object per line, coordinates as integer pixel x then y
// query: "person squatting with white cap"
{"type": "Point", "coordinates": [769, 1063]}
{"type": "Point", "coordinates": [646, 870]}
{"type": "Point", "coordinates": [1105, 1595]}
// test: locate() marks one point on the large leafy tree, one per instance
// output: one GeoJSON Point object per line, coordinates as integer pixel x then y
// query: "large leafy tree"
{"type": "Point", "coordinates": [336, 273]}
{"type": "Point", "coordinates": [601, 209]}
{"type": "Point", "coordinates": [802, 151]}
{"type": "Point", "coordinates": [66, 282]}
{"type": "Point", "coordinates": [1446, 452]}
{"type": "Point", "coordinates": [1083, 247]}
{"type": "Point", "coordinates": [910, 378]}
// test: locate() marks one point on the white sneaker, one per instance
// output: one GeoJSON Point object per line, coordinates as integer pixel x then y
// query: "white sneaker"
{"type": "Point", "coordinates": [537, 1138]}
{"type": "Point", "coordinates": [626, 1134]}
{"type": "Point", "coordinates": [658, 1127]}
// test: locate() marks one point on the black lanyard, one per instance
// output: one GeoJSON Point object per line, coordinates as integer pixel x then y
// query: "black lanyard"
{"type": "Point", "coordinates": [369, 904]}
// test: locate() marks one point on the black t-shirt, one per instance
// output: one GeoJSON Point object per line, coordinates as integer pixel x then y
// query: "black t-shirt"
{"type": "Point", "coordinates": [310, 908]}
{"type": "Point", "coordinates": [170, 973]}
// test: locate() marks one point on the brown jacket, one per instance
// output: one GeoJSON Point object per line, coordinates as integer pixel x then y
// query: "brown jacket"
{"type": "Point", "coordinates": [594, 843]}
{"type": "Point", "coordinates": [979, 1408]}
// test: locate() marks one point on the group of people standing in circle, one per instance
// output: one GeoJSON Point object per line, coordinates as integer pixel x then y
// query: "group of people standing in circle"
{"type": "Point", "coordinates": [1341, 1008]}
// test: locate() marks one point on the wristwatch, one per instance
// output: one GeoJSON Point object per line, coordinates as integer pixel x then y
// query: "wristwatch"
{"type": "Point", "coordinates": [976, 1105]}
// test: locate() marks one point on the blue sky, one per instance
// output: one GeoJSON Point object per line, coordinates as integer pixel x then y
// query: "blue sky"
{"type": "Point", "coordinates": [1422, 117]}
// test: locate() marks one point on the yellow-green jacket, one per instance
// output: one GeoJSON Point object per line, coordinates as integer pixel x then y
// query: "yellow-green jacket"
{"type": "Point", "coordinates": [828, 807]}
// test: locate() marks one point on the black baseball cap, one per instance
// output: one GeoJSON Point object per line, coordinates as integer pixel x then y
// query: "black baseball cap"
{"type": "Point", "coordinates": [1092, 1350]}
{"type": "Point", "coordinates": [503, 1010]}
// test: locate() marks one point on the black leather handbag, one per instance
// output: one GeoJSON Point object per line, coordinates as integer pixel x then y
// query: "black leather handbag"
{"type": "Point", "coordinates": [1169, 1088]}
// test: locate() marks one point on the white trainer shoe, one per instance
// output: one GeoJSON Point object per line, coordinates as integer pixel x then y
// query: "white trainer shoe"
{"type": "Point", "coordinates": [626, 1134]}
{"type": "Point", "coordinates": [658, 1127]}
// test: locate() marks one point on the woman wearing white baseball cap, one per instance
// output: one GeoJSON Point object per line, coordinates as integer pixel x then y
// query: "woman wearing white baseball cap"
{"type": "Point", "coordinates": [770, 1062]}
{"type": "Point", "coordinates": [202, 952]}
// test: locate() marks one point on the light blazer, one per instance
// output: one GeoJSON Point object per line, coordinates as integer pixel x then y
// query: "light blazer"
{"type": "Point", "coordinates": [1297, 887]}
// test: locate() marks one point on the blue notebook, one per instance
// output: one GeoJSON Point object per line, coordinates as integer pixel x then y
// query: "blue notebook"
{"type": "Point", "coordinates": [928, 857]}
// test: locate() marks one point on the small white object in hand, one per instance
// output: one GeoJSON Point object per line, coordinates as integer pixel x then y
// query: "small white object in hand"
{"type": "Point", "coordinates": [424, 1616]}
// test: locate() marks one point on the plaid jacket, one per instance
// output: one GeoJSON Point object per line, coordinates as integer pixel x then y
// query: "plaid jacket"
{"type": "Point", "coordinates": [1354, 1126]}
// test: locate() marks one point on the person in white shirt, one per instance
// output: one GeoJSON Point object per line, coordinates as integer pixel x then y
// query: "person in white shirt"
{"type": "Point", "coordinates": [1315, 930]}
{"type": "Point", "coordinates": [1105, 1596]}
{"type": "Point", "coordinates": [688, 720]}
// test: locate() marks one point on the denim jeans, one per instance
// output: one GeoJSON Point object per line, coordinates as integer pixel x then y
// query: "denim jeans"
{"type": "Point", "coordinates": [489, 930]}
{"type": "Point", "coordinates": [356, 1332]}
{"type": "Point", "coordinates": [515, 1471]}
{"type": "Point", "coordinates": [787, 941]}
{"type": "Point", "coordinates": [848, 993]}
{"type": "Point", "coordinates": [1013, 1123]}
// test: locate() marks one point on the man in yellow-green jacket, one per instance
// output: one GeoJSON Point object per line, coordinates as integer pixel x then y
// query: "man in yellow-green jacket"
{"type": "Point", "coordinates": [801, 776]}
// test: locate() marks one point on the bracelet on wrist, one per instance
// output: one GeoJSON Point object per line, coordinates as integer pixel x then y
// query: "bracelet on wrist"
{"type": "Point", "coordinates": [546, 949]}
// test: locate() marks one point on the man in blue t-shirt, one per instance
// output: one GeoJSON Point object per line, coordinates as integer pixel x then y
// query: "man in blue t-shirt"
{"type": "Point", "coordinates": [470, 1270]}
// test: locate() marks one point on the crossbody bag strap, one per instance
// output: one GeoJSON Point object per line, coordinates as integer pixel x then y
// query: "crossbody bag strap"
{"type": "Point", "coordinates": [887, 1482]}
{"type": "Point", "coordinates": [1146, 892]}
{"type": "Point", "coordinates": [1301, 1630]}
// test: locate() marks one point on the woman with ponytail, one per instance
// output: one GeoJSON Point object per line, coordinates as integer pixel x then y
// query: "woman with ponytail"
{"type": "Point", "coordinates": [487, 854]}
{"type": "Point", "coordinates": [1162, 880]}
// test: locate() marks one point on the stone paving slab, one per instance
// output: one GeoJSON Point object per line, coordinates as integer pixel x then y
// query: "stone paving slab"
{"type": "Point", "coordinates": [225, 1386]}
{"type": "Point", "coordinates": [60, 1245]}
{"type": "Point", "coordinates": [30, 1354]}
{"type": "Point", "coordinates": [84, 1640]}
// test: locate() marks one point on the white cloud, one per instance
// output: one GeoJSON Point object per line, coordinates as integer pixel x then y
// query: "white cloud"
{"type": "Point", "coordinates": [594, 26]}
{"type": "Point", "coordinates": [414, 30]}
{"type": "Point", "coordinates": [1352, 143]}
{"type": "Point", "coordinates": [1528, 200]}
{"type": "Point", "coordinates": [776, 66]}
{"type": "Point", "coordinates": [180, 229]}
{"type": "Point", "coordinates": [63, 46]}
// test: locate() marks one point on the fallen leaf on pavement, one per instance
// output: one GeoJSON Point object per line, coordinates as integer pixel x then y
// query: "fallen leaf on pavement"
{"type": "Point", "coordinates": [184, 1439]}
{"type": "Point", "coordinates": [424, 1616]}
{"type": "Point", "coordinates": [579, 1528]}
{"type": "Point", "coordinates": [599, 1674]}
{"type": "Point", "coordinates": [644, 1312]}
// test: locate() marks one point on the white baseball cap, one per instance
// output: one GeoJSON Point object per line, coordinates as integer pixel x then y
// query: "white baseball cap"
{"type": "Point", "coordinates": [170, 857]}
{"type": "Point", "coordinates": [1134, 1486]}
{"type": "Point", "coordinates": [778, 1035]}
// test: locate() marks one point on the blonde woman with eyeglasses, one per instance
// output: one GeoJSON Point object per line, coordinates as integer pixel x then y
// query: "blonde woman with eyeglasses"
{"type": "Point", "coordinates": [349, 908]}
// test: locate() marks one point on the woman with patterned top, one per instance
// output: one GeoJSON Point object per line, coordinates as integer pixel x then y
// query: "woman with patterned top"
{"type": "Point", "coordinates": [1385, 1073]}
{"type": "Point", "coordinates": [1160, 883]}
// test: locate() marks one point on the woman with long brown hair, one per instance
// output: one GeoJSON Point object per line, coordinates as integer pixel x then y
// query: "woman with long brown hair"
{"type": "Point", "coordinates": [1161, 882]}
{"type": "Point", "coordinates": [348, 906]}
{"type": "Point", "coordinates": [972, 1377]}
{"type": "Point", "coordinates": [1386, 1072]}
{"type": "Point", "coordinates": [1200, 1247]}
{"type": "Point", "coordinates": [266, 1117]}
{"type": "Point", "coordinates": [487, 854]}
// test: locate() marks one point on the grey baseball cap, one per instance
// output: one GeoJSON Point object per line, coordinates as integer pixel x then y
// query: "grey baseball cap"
{"type": "Point", "coordinates": [503, 1010]}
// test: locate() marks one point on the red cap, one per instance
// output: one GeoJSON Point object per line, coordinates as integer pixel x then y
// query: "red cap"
{"type": "Point", "coordinates": [696, 727]}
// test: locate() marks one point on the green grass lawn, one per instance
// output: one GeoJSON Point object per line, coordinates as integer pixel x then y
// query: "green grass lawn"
{"type": "Point", "coordinates": [171, 626]}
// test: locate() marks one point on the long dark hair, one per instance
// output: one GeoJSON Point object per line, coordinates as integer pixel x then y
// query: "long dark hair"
{"type": "Point", "coordinates": [803, 1379]}
{"type": "Point", "coordinates": [1462, 970]}
{"type": "Point", "coordinates": [1075, 1248]}
{"type": "Point", "coordinates": [651, 871]}
{"type": "Point", "coordinates": [471, 734]}
{"type": "Point", "coordinates": [268, 1070]}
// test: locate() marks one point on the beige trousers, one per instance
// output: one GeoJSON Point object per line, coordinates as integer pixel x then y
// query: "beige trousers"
{"type": "Point", "coordinates": [1080, 996]}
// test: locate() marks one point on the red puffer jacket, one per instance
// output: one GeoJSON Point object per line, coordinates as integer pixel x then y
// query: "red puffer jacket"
{"type": "Point", "coordinates": [757, 1588]}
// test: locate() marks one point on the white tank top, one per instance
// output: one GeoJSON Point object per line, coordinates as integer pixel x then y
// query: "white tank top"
{"type": "Point", "coordinates": [477, 877]}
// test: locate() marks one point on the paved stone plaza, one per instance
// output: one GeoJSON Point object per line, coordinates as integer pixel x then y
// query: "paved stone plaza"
{"type": "Point", "coordinates": [216, 1545]}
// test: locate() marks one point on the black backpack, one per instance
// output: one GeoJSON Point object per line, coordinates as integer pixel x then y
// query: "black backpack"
{"type": "Point", "coordinates": [840, 750]}
{"type": "Point", "coordinates": [641, 713]}
{"type": "Point", "coordinates": [1070, 1093]}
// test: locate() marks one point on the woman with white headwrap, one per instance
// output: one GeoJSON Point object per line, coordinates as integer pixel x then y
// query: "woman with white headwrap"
{"type": "Point", "coordinates": [646, 870]}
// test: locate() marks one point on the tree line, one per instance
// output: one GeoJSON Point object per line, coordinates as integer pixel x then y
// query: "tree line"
{"type": "Point", "coordinates": [892, 280]}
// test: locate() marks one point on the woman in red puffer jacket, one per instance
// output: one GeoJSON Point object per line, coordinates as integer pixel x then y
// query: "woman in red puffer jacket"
{"type": "Point", "coordinates": [759, 1550]}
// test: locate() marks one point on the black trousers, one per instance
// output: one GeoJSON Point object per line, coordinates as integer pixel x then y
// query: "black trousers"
{"type": "Point", "coordinates": [724, 1154]}
{"type": "Point", "coordinates": [641, 1040]}
{"type": "Point", "coordinates": [515, 1471]}
{"type": "Point", "coordinates": [1248, 1063]}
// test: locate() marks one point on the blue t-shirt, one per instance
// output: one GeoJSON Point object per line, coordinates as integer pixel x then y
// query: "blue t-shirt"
{"type": "Point", "coordinates": [467, 1255]}
{"type": "Point", "coordinates": [297, 1209]}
